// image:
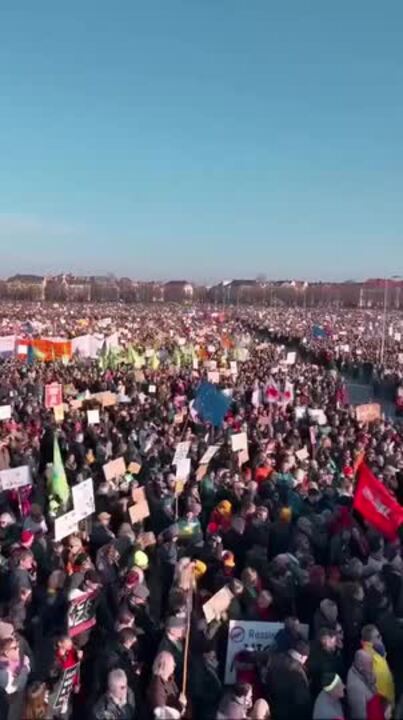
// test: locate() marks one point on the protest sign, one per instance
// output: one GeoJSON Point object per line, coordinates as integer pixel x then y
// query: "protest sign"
{"type": "Point", "coordinates": [291, 358]}
{"type": "Point", "coordinates": [83, 499]}
{"type": "Point", "coordinates": [106, 399]}
{"type": "Point", "coordinates": [65, 525]}
{"type": "Point", "coordinates": [257, 635]}
{"type": "Point", "coordinates": [81, 614]}
{"type": "Point", "coordinates": [368, 413]}
{"type": "Point", "coordinates": [5, 412]}
{"type": "Point", "coordinates": [218, 604]}
{"type": "Point", "coordinates": [134, 468]}
{"type": "Point", "coordinates": [138, 512]}
{"type": "Point", "coordinates": [60, 703]}
{"type": "Point", "coordinates": [14, 478]}
{"type": "Point", "coordinates": [239, 441]}
{"type": "Point", "coordinates": [58, 411]}
{"type": "Point", "coordinates": [138, 494]}
{"type": "Point", "coordinates": [152, 389]}
{"type": "Point", "coordinates": [243, 457]}
{"type": "Point", "coordinates": [183, 469]}
{"type": "Point", "coordinates": [300, 412]}
{"type": "Point", "coordinates": [302, 454]}
{"type": "Point", "coordinates": [209, 454]}
{"type": "Point", "coordinates": [93, 417]}
{"type": "Point", "coordinates": [181, 451]}
{"type": "Point", "coordinates": [114, 468]}
{"type": "Point", "coordinates": [53, 395]}
{"type": "Point", "coordinates": [318, 416]}
{"type": "Point", "coordinates": [256, 397]}
{"type": "Point", "coordinates": [201, 472]}
{"type": "Point", "coordinates": [213, 377]}
{"type": "Point", "coordinates": [233, 367]}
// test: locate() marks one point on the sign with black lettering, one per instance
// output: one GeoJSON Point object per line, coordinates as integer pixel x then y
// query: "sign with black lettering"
{"type": "Point", "coordinates": [81, 614]}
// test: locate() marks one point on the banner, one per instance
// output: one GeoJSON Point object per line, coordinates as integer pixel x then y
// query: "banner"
{"type": "Point", "coordinates": [7, 346]}
{"type": "Point", "coordinates": [368, 413]}
{"type": "Point", "coordinates": [242, 634]}
{"type": "Point", "coordinates": [81, 614]}
{"type": "Point", "coordinates": [376, 504]}
{"type": "Point", "coordinates": [256, 635]}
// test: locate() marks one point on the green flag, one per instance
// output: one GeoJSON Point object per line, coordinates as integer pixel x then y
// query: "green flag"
{"type": "Point", "coordinates": [58, 487]}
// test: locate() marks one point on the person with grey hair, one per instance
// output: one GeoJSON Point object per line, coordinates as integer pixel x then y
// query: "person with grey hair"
{"type": "Point", "coordinates": [163, 692]}
{"type": "Point", "coordinates": [118, 702]}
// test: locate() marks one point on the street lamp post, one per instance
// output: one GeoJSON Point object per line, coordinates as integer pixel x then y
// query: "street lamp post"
{"type": "Point", "coordinates": [385, 307]}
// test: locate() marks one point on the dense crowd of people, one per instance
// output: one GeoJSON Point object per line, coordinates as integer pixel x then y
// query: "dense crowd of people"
{"type": "Point", "coordinates": [201, 531]}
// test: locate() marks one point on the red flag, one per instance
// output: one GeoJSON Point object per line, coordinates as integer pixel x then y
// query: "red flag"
{"type": "Point", "coordinates": [376, 504]}
{"type": "Point", "coordinates": [272, 392]}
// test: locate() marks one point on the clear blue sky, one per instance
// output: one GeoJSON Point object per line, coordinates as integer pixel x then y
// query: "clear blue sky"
{"type": "Point", "coordinates": [202, 139]}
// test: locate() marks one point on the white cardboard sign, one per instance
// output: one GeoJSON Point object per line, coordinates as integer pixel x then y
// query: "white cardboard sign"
{"type": "Point", "coordinates": [93, 417]}
{"type": "Point", "coordinates": [83, 499]}
{"type": "Point", "coordinates": [181, 451]}
{"type": "Point", "coordinates": [15, 478]}
{"type": "Point", "coordinates": [239, 442]}
{"type": "Point", "coordinates": [209, 454]}
{"type": "Point", "coordinates": [65, 525]}
{"type": "Point", "coordinates": [5, 412]}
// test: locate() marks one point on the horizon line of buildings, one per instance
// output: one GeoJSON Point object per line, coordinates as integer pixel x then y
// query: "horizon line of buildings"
{"type": "Point", "coordinates": [71, 288]}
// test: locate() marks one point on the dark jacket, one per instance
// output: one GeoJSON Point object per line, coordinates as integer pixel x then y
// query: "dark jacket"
{"type": "Point", "coordinates": [205, 689]}
{"type": "Point", "coordinates": [106, 708]}
{"type": "Point", "coordinates": [288, 689]}
{"type": "Point", "coordinates": [320, 663]}
{"type": "Point", "coordinates": [161, 693]}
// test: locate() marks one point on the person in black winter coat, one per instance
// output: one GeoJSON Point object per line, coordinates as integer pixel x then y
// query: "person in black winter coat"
{"type": "Point", "coordinates": [324, 658]}
{"type": "Point", "coordinates": [205, 686]}
{"type": "Point", "coordinates": [287, 685]}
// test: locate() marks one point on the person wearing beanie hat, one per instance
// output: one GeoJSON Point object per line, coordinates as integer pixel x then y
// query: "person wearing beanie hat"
{"type": "Point", "coordinates": [27, 538]}
{"type": "Point", "coordinates": [221, 516]}
{"type": "Point", "coordinates": [200, 569]}
{"type": "Point", "coordinates": [140, 560]}
{"type": "Point", "coordinates": [328, 703]}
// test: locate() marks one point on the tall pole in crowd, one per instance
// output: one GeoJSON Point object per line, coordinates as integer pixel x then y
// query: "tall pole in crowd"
{"type": "Point", "coordinates": [385, 309]}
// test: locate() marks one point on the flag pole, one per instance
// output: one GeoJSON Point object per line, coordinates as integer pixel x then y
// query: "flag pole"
{"type": "Point", "coordinates": [187, 640]}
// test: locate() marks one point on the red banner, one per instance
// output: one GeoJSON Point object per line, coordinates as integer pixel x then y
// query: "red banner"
{"type": "Point", "coordinates": [376, 504]}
